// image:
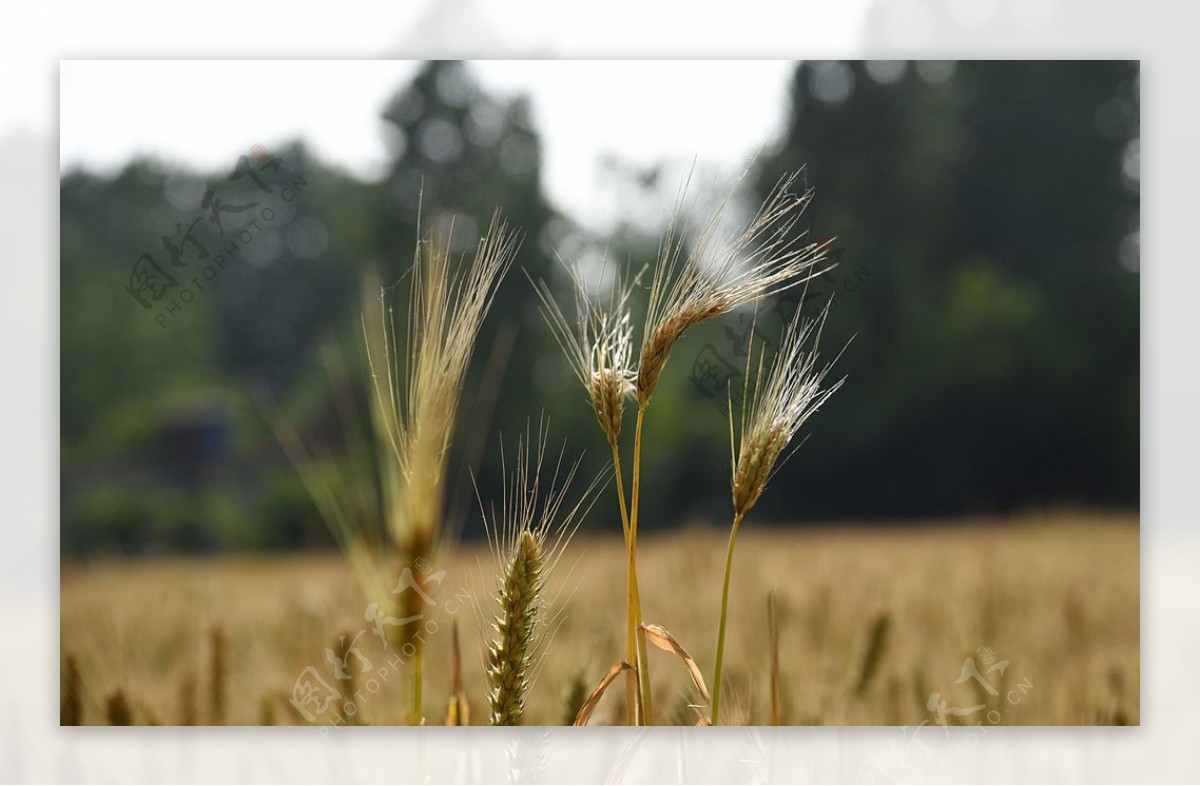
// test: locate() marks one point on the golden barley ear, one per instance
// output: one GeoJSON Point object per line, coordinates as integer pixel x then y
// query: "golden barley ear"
{"type": "Point", "coordinates": [510, 653]}
{"type": "Point", "coordinates": [715, 272]}
{"type": "Point", "coordinates": [116, 708]}
{"type": "Point", "coordinates": [877, 639]}
{"type": "Point", "coordinates": [593, 699]}
{"type": "Point", "coordinates": [459, 711]}
{"type": "Point", "coordinates": [598, 346]}
{"type": "Point", "coordinates": [71, 701]}
{"type": "Point", "coordinates": [218, 675]}
{"type": "Point", "coordinates": [418, 388]}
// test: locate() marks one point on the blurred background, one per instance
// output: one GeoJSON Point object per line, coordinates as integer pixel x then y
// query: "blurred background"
{"type": "Point", "coordinates": [984, 217]}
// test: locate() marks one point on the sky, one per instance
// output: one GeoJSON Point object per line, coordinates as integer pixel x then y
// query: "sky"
{"type": "Point", "coordinates": [635, 111]}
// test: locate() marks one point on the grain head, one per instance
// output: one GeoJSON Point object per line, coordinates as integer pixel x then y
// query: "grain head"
{"type": "Point", "coordinates": [776, 407]}
{"type": "Point", "coordinates": [714, 271]}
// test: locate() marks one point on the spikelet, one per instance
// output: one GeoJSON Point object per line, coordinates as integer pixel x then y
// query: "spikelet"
{"type": "Point", "coordinates": [776, 409]}
{"type": "Point", "coordinates": [718, 273]}
{"type": "Point", "coordinates": [71, 701]}
{"type": "Point", "coordinates": [527, 536]}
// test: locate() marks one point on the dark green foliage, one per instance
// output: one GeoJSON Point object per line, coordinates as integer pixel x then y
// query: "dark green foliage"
{"type": "Point", "coordinates": [980, 223]}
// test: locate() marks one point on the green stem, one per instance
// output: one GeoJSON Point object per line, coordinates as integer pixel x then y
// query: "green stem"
{"type": "Point", "coordinates": [631, 685]}
{"type": "Point", "coordinates": [635, 601]}
{"type": "Point", "coordinates": [716, 697]}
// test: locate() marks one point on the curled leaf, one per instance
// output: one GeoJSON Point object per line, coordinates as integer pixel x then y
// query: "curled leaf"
{"type": "Point", "coordinates": [589, 706]}
{"type": "Point", "coordinates": [661, 638]}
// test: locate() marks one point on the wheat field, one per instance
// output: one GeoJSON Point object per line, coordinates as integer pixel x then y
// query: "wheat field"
{"type": "Point", "coordinates": [872, 622]}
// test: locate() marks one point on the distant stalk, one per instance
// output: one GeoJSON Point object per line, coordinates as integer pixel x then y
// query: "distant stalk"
{"type": "Point", "coordinates": [342, 651]}
{"type": "Point", "coordinates": [71, 703]}
{"type": "Point", "coordinates": [117, 709]}
{"type": "Point", "coordinates": [773, 631]}
{"type": "Point", "coordinates": [219, 676]}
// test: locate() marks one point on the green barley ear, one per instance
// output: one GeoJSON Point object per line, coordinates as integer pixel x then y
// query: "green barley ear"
{"type": "Point", "coordinates": [218, 687]}
{"type": "Point", "coordinates": [116, 708]}
{"type": "Point", "coordinates": [527, 534]}
{"type": "Point", "coordinates": [71, 701]}
{"type": "Point", "coordinates": [509, 654]}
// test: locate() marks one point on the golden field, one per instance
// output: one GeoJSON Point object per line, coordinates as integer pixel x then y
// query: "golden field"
{"type": "Point", "coordinates": [872, 621]}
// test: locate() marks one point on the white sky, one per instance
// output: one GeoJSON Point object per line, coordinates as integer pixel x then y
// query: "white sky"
{"type": "Point", "coordinates": [716, 112]}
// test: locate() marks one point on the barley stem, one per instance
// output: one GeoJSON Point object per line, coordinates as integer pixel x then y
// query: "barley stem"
{"type": "Point", "coordinates": [716, 697]}
{"type": "Point", "coordinates": [620, 479]}
{"type": "Point", "coordinates": [638, 651]}
{"type": "Point", "coordinates": [631, 684]}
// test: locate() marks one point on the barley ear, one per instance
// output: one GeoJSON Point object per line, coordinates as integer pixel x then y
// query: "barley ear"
{"type": "Point", "coordinates": [509, 654]}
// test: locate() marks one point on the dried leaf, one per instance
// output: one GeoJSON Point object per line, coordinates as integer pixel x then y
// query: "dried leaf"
{"type": "Point", "coordinates": [659, 637]}
{"type": "Point", "coordinates": [589, 706]}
